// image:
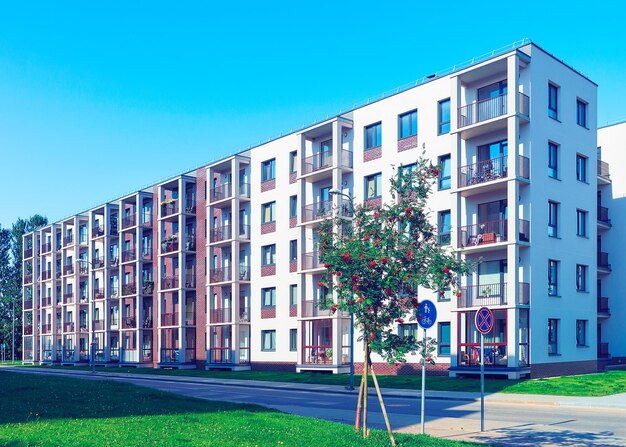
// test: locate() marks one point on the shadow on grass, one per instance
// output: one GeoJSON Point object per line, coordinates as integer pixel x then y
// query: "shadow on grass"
{"type": "Point", "coordinates": [27, 397]}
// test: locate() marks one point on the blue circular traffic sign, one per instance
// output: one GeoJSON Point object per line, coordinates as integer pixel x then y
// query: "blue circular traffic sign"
{"type": "Point", "coordinates": [427, 314]}
{"type": "Point", "coordinates": [484, 320]}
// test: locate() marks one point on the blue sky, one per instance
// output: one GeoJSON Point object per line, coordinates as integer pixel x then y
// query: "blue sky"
{"type": "Point", "coordinates": [97, 100]}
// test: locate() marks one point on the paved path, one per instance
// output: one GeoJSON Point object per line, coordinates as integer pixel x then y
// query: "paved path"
{"type": "Point", "coordinates": [512, 420]}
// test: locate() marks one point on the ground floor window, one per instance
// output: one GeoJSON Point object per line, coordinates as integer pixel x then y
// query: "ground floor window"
{"type": "Point", "coordinates": [317, 338]}
{"type": "Point", "coordinates": [468, 348]}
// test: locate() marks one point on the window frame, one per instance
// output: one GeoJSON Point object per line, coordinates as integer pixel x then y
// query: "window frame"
{"type": "Point", "coordinates": [553, 336]}
{"type": "Point", "coordinates": [585, 341]}
{"type": "Point", "coordinates": [443, 127]}
{"type": "Point", "coordinates": [268, 170]}
{"type": "Point", "coordinates": [440, 343]}
{"type": "Point", "coordinates": [582, 119]}
{"type": "Point", "coordinates": [553, 169]}
{"type": "Point", "coordinates": [375, 140]}
{"type": "Point", "coordinates": [265, 293]}
{"type": "Point", "coordinates": [554, 226]}
{"type": "Point", "coordinates": [293, 206]}
{"type": "Point", "coordinates": [293, 162]}
{"type": "Point", "coordinates": [441, 179]}
{"type": "Point", "coordinates": [582, 168]}
{"type": "Point", "coordinates": [377, 178]}
{"type": "Point", "coordinates": [553, 277]}
{"type": "Point", "coordinates": [553, 109]}
{"type": "Point", "coordinates": [293, 250]}
{"type": "Point", "coordinates": [581, 223]}
{"type": "Point", "coordinates": [268, 333]}
{"type": "Point", "coordinates": [270, 250]}
{"type": "Point", "coordinates": [581, 277]}
{"type": "Point", "coordinates": [293, 339]}
{"type": "Point", "coordinates": [293, 296]}
{"type": "Point", "coordinates": [412, 122]}
{"type": "Point", "coordinates": [272, 209]}
{"type": "Point", "coordinates": [410, 327]}
{"type": "Point", "coordinates": [441, 224]}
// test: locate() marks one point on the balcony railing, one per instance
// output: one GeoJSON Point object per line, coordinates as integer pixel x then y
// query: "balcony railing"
{"type": "Point", "coordinates": [603, 170]}
{"type": "Point", "coordinates": [603, 305]}
{"type": "Point", "coordinates": [98, 231]}
{"type": "Point", "coordinates": [28, 253]}
{"type": "Point", "coordinates": [320, 355]}
{"type": "Point", "coordinates": [28, 279]}
{"type": "Point", "coordinates": [491, 232]}
{"type": "Point", "coordinates": [28, 304]}
{"type": "Point", "coordinates": [98, 325]}
{"type": "Point", "coordinates": [129, 221]}
{"type": "Point", "coordinates": [483, 171]}
{"type": "Point", "coordinates": [169, 282]}
{"type": "Point", "coordinates": [220, 315]}
{"type": "Point", "coordinates": [310, 260]}
{"type": "Point", "coordinates": [68, 298]}
{"type": "Point", "coordinates": [224, 191]}
{"type": "Point", "coordinates": [169, 355]}
{"type": "Point", "coordinates": [491, 295]}
{"type": "Point", "coordinates": [220, 275]}
{"type": "Point", "coordinates": [603, 260]}
{"type": "Point", "coordinates": [315, 211]}
{"type": "Point", "coordinates": [45, 248]}
{"type": "Point", "coordinates": [169, 245]}
{"type": "Point", "coordinates": [129, 255]}
{"type": "Point", "coordinates": [46, 274]}
{"type": "Point", "coordinates": [146, 220]}
{"type": "Point", "coordinates": [68, 269]}
{"type": "Point", "coordinates": [67, 240]}
{"type": "Point", "coordinates": [489, 108]}
{"type": "Point", "coordinates": [129, 289]}
{"type": "Point", "coordinates": [46, 301]}
{"type": "Point", "coordinates": [223, 233]}
{"type": "Point", "coordinates": [244, 272]}
{"type": "Point", "coordinates": [190, 242]}
{"type": "Point", "coordinates": [603, 215]}
{"type": "Point", "coordinates": [98, 294]}
{"type": "Point", "coordinates": [148, 287]}
{"type": "Point", "coordinates": [68, 327]}
{"type": "Point", "coordinates": [169, 319]}
{"type": "Point", "coordinates": [190, 280]}
{"type": "Point", "coordinates": [129, 322]}
{"type": "Point", "coordinates": [98, 263]}
{"type": "Point", "coordinates": [28, 329]}
{"type": "Point", "coordinates": [311, 309]}
{"type": "Point", "coordinates": [167, 209]}
{"type": "Point", "coordinates": [317, 162]}
{"type": "Point", "coordinates": [190, 206]}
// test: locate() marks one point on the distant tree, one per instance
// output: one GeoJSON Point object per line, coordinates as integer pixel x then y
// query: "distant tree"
{"type": "Point", "coordinates": [375, 265]}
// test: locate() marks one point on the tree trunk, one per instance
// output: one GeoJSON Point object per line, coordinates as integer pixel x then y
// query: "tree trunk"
{"type": "Point", "coordinates": [382, 404]}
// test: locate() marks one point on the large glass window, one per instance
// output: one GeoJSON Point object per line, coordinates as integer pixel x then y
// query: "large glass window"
{"type": "Point", "coordinates": [553, 101]}
{"type": "Point", "coordinates": [581, 278]}
{"type": "Point", "coordinates": [581, 333]}
{"type": "Point", "coordinates": [553, 336]}
{"type": "Point", "coordinates": [407, 330]}
{"type": "Point", "coordinates": [581, 112]}
{"type": "Point", "coordinates": [293, 340]}
{"type": "Point", "coordinates": [581, 168]}
{"type": "Point", "coordinates": [553, 160]}
{"type": "Point", "coordinates": [268, 212]}
{"type": "Point", "coordinates": [268, 255]}
{"type": "Point", "coordinates": [445, 171]}
{"type": "Point", "coordinates": [553, 277]}
{"type": "Point", "coordinates": [293, 250]}
{"type": "Point", "coordinates": [373, 135]}
{"type": "Point", "coordinates": [268, 297]}
{"type": "Point", "coordinates": [443, 114]}
{"type": "Point", "coordinates": [445, 225]}
{"type": "Point", "coordinates": [407, 124]}
{"type": "Point", "coordinates": [268, 340]}
{"type": "Point", "coordinates": [268, 170]}
{"type": "Point", "coordinates": [373, 186]}
{"type": "Point", "coordinates": [553, 219]}
{"type": "Point", "coordinates": [443, 338]}
{"type": "Point", "coordinates": [495, 341]}
{"type": "Point", "coordinates": [292, 161]}
{"type": "Point", "coordinates": [293, 295]}
{"type": "Point", "coordinates": [293, 206]}
{"type": "Point", "coordinates": [581, 223]}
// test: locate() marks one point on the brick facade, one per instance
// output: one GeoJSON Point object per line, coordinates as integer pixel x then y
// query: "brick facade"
{"type": "Point", "coordinates": [268, 312]}
{"type": "Point", "coordinates": [563, 369]}
{"type": "Point", "coordinates": [407, 143]}
{"type": "Point", "coordinates": [268, 270]}
{"type": "Point", "coordinates": [268, 185]}
{"type": "Point", "coordinates": [372, 153]}
{"type": "Point", "coordinates": [269, 227]}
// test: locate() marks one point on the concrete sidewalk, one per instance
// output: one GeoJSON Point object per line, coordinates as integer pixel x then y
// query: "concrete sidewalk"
{"type": "Point", "coordinates": [616, 401]}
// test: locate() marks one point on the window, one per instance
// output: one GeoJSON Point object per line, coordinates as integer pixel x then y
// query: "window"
{"type": "Point", "coordinates": [82, 234]}
{"type": "Point", "coordinates": [581, 278]}
{"type": "Point", "coordinates": [581, 168]}
{"type": "Point", "coordinates": [553, 336]}
{"type": "Point", "coordinates": [553, 101]}
{"type": "Point", "coordinates": [444, 171]}
{"type": "Point", "coordinates": [444, 295]}
{"type": "Point", "coordinates": [407, 124]}
{"type": "Point", "coordinates": [581, 112]}
{"type": "Point", "coordinates": [407, 330]}
{"type": "Point", "coordinates": [373, 186]}
{"type": "Point", "coordinates": [581, 223]}
{"type": "Point", "coordinates": [293, 340]}
{"type": "Point", "coordinates": [292, 161]}
{"type": "Point", "coordinates": [581, 333]}
{"type": "Point", "coordinates": [373, 135]}
{"type": "Point", "coordinates": [268, 297]}
{"type": "Point", "coordinates": [443, 338]}
{"type": "Point", "coordinates": [293, 295]}
{"type": "Point", "coordinates": [293, 206]}
{"type": "Point", "coordinates": [293, 250]}
{"type": "Point", "coordinates": [444, 223]}
{"type": "Point", "coordinates": [268, 340]}
{"type": "Point", "coordinates": [553, 219]}
{"type": "Point", "coordinates": [443, 112]}
{"type": "Point", "coordinates": [553, 277]}
{"type": "Point", "coordinates": [268, 255]}
{"type": "Point", "coordinates": [268, 170]}
{"type": "Point", "coordinates": [268, 212]}
{"type": "Point", "coordinates": [553, 160]}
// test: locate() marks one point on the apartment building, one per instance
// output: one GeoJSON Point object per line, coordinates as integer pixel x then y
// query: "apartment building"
{"type": "Point", "coordinates": [218, 267]}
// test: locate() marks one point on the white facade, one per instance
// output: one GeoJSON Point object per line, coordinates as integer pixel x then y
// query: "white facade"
{"type": "Point", "coordinates": [263, 207]}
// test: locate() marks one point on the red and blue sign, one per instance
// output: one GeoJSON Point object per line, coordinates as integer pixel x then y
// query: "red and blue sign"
{"type": "Point", "coordinates": [484, 320]}
{"type": "Point", "coordinates": [427, 314]}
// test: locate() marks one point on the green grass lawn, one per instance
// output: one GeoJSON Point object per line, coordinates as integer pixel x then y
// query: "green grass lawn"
{"type": "Point", "coordinates": [601, 384]}
{"type": "Point", "coordinates": [38, 410]}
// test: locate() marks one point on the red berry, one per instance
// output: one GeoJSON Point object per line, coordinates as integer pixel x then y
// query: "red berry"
{"type": "Point", "coordinates": [326, 264]}
{"type": "Point", "coordinates": [320, 284]}
{"type": "Point", "coordinates": [372, 264]}
{"type": "Point", "coordinates": [355, 277]}
{"type": "Point", "coordinates": [446, 270]}
{"type": "Point", "coordinates": [383, 260]}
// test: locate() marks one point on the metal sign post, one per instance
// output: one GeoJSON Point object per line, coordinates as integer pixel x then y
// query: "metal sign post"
{"type": "Point", "coordinates": [426, 320]}
{"type": "Point", "coordinates": [484, 323]}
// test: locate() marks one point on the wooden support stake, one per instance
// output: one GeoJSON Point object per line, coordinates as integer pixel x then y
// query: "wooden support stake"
{"type": "Point", "coordinates": [382, 405]}
{"type": "Point", "coordinates": [359, 408]}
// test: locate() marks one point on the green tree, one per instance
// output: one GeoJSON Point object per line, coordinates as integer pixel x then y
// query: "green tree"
{"type": "Point", "coordinates": [11, 280]}
{"type": "Point", "coordinates": [377, 262]}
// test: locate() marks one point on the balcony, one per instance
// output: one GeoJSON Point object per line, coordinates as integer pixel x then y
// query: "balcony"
{"type": "Point", "coordinates": [493, 232]}
{"type": "Point", "coordinates": [68, 327]}
{"type": "Point", "coordinates": [491, 295]}
{"type": "Point", "coordinates": [46, 328]}
{"type": "Point", "coordinates": [129, 322]}
{"type": "Point", "coordinates": [169, 319]}
{"type": "Point", "coordinates": [170, 208]}
{"type": "Point", "coordinates": [68, 269]}
{"type": "Point", "coordinates": [324, 160]}
{"type": "Point", "coordinates": [603, 351]}
{"type": "Point", "coordinates": [98, 294]}
{"type": "Point", "coordinates": [129, 289]}
{"type": "Point", "coordinates": [28, 279]}
{"type": "Point", "coordinates": [604, 177]}
{"type": "Point", "coordinates": [169, 245]}
{"type": "Point", "coordinates": [190, 242]}
{"type": "Point", "coordinates": [28, 304]}
{"type": "Point", "coordinates": [169, 282]}
{"type": "Point", "coordinates": [603, 307]}
{"type": "Point", "coordinates": [311, 261]}
{"type": "Point", "coordinates": [46, 301]}
{"type": "Point", "coordinates": [220, 275]}
{"type": "Point", "coordinates": [28, 329]}
{"type": "Point", "coordinates": [316, 211]}
{"type": "Point", "coordinates": [129, 255]}
{"type": "Point", "coordinates": [220, 316]}
{"type": "Point", "coordinates": [68, 298]}
{"type": "Point", "coordinates": [603, 262]}
{"type": "Point", "coordinates": [148, 287]}
{"type": "Point", "coordinates": [222, 192]}
{"type": "Point", "coordinates": [146, 220]}
{"type": "Point", "coordinates": [46, 274]}
{"type": "Point", "coordinates": [28, 253]}
{"type": "Point", "coordinates": [67, 240]}
{"type": "Point", "coordinates": [98, 325]}
{"type": "Point", "coordinates": [603, 217]}
{"type": "Point", "coordinates": [221, 234]}
{"type": "Point", "coordinates": [98, 263]}
{"type": "Point", "coordinates": [170, 356]}
{"type": "Point", "coordinates": [45, 248]}
{"type": "Point", "coordinates": [490, 170]}
{"type": "Point", "coordinates": [311, 309]}
{"type": "Point", "coordinates": [190, 206]}
{"type": "Point", "coordinates": [226, 356]}
{"type": "Point", "coordinates": [129, 221]}
{"type": "Point", "coordinates": [97, 231]}
{"type": "Point", "coordinates": [146, 254]}
{"type": "Point", "coordinates": [490, 108]}
{"type": "Point", "coordinates": [190, 280]}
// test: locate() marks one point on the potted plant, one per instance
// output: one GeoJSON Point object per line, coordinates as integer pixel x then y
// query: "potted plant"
{"type": "Point", "coordinates": [148, 286]}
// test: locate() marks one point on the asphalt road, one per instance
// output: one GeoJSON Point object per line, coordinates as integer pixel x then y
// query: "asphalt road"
{"type": "Point", "coordinates": [514, 424]}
